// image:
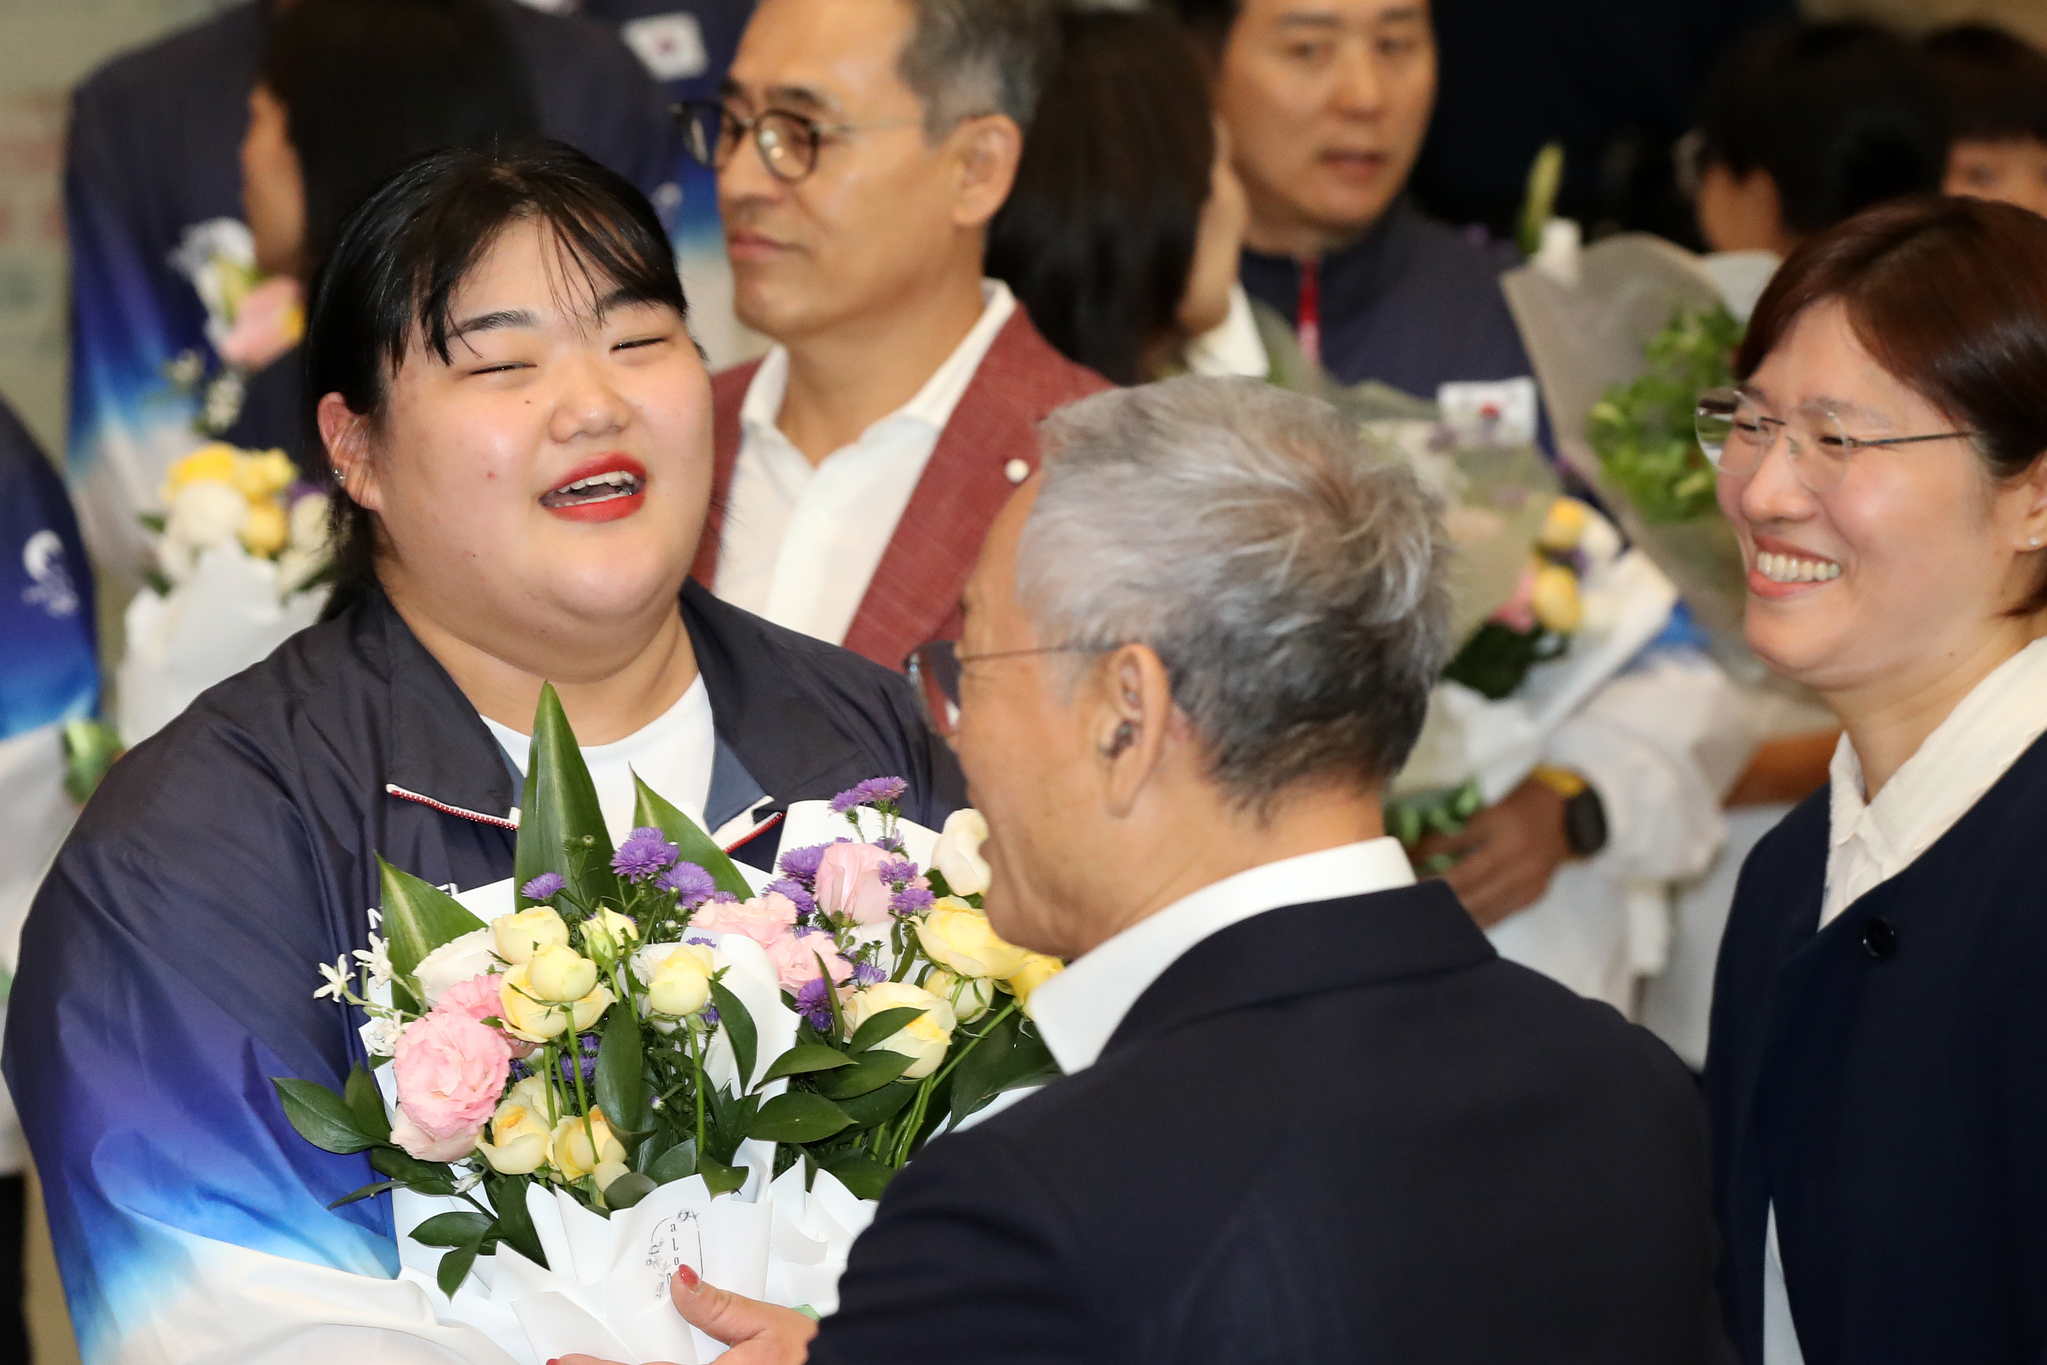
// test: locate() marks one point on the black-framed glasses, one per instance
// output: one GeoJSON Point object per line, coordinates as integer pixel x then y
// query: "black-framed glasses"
{"type": "Point", "coordinates": [934, 670]}
{"type": "Point", "coordinates": [1735, 433]}
{"type": "Point", "coordinates": [788, 142]}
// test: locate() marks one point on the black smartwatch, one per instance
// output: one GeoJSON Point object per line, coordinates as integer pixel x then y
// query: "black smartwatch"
{"type": "Point", "coordinates": [1584, 812]}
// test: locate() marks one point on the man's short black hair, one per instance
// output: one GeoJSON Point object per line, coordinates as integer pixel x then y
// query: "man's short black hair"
{"type": "Point", "coordinates": [1996, 83]}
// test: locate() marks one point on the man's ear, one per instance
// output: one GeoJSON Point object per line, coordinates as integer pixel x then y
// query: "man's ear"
{"type": "Point", "coordinates": [985, 152]}
{"type": "Point", "coordinates": [1134, 714]}
{"type": "Point", "coordinates": [346, 435]}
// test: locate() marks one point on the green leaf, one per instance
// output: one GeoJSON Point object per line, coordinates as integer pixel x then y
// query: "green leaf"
{"type": "Point", "coordinates": [882, 1026]}
{"type": "Point", "coordinates": [803, 1059]}
{"type": "Point", "coordinates": [721, 1178]}
{"type": "Point", "coordinates": [879, 1106]}
{"type": "Point", "coordinates": [677, 1163]}
{"type": "Point", "coordinates": [1010, 1056]}
{"type": "Point", "coordinates": [418, 918]}
{"type": "Point", "coordinates": [861, 1173]}
{"type": "Point", "coordinates": [797, 1117]}
{"type": "Point", "coordinates": [628, 1190]}
{"type": "Point", "coordinates": [366, 1103]}
{"type": "Point", "coordinates": [559, 806]}
{"type": "Point", "coordinates": [458, 1229]}
{"type": "Point", "coordinates": [738, 1026]}
{"type": "Point", "coordinates": [870, 1071]}
{"type": "Point", "coordinates": [455, 1268]}
{"type": "Point", "coordinates": [365, 1192]}
{"type": "Point", "coordinates": [621, 1087]}
{"type": "Point", "coordinates": [421, 1176]}
{"type": "Point", "coordinates": [515, 1221]}
{"type": "Point", "coordinates": [688, 836]}
{"type": "Point", "coordinates": [321, 1116]}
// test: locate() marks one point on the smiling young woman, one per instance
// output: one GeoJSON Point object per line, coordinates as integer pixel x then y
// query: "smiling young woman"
{"type": "Point", "coordinates": [508, 393]}
{"type": "Point", "coordinates": [1880, 1013]}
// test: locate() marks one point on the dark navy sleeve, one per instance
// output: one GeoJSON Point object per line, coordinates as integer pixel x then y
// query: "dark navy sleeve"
{"type": "Point", "coordinates": [48, 670]}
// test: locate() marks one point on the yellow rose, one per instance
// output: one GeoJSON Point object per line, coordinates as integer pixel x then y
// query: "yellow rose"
{"type": "Point", "coordinates": [957, 855]}
{"type": "Point", "coordinates": [926, 1037]}
{"type": "Point", "coordinates": [560, 973]}
{"type": "Point", "coordinates": [968, 996]}
{"type": "Point", "coordinates": [958, 938]}
{"type": "Point", "coordinates": [520, 936]}
{"type": "Point", "coordinates": [526, 1017]}
{"type": "Point", "coordinates": [681, 983]}
{"type": "Point", "coordinates": [607, 934]}
{"type": "Point", "coordinates": [519, 1131]}
{"type": "Point", "coordinates": [580, 1147]}
{"type": "Point", "coordinates": [262, 473]}
{"type": "Point", "coordinates": [1035, 972]}
{"type": "Point", "coordinates": [214, 463]}
{"type": "Point", "coordinates": [1565, 525]}
{"type": "Point", "coordinates": [1555, 600]}
{"type": "Point", "coordinates": [266, 529]}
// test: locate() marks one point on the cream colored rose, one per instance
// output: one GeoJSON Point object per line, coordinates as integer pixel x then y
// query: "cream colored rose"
{"type": "Point", "coordinates": [1555, 601]}
{"type": "Point", "coordinates": [957, 855]}
{"type": "Point", "coordinates": [681, 983]}
{"type": "Point", "coordinates": [958, 938]}
{"type": "Point", "coordinates": [520, 936]}
{"type": "Point", "coordinates": [926, 1038]}
{"type": "Point", "coordinates": [460, 959]}
{"type": "Point", "coordinates": [580, 1147]}
{"type": "Point", "coordinates": [562, 974]}
{"type": "Point", "coordinates": [265, 529]}
{"type": "Point", "coordinates": [607, 935]}
{"type": "Point", "coordinates": [519, 1131]}
{"type": "Point", "coordinates": [1035, 972]}
{"type": "Point", "coordinates": [203, 515]}
{"type": "Point", "coordinates": [969, 997]}
{"type": "Point", "coordinates": [526, 1016]}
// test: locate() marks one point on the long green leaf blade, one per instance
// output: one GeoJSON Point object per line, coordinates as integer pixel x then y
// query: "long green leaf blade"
{"type": "Point", "coordinates": [886, 1024]}
{"type": "Point", "coordinates": [458, 1229]}
{"type": "Point", "coordinates": [688, 836]}
{"type": "Point", "coordinates": [878, 1106]}
{"type": "Point", "coordinates": [366, 1104]}
{"type": "Point", "coordinates": [455, 1268]}
{"type": "Point", "coordinates": [621, 1086]}
{"type": "Point", "coordinates": [559, 806]}
{"type": "Point", "coordinates": [418, 917]}
{"type": "Point", "coordinates": [870, 1071]}
{"type": "Point", "coordinates": [803, 1059]}
{"type": "Point", "coordinates": [738, 1026]}
{"type": "Point", "coordinates": [861, 1173]}
{"type": "Point", "coordinates": [515, 1220]}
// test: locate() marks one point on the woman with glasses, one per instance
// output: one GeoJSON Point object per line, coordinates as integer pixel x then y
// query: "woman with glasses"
{"type": "Point", "coordinates": [1878, 1062]}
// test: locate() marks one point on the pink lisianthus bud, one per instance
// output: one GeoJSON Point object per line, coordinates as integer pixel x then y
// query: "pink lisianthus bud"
{"type": "Point", "coordinates": [796, 956]}
{"type": "Point", "coordinates": [849, 885]}
{"type": "Point", "coordinates": [450, 1071]}
{"type": "Point", "coordinates": [763, 919]}
{"type": "Point", "coordinates": [478, 998]}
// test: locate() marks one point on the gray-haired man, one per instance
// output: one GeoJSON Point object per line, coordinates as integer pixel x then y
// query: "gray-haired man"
{"type": "Point", "coordinates": [1308, 1116]}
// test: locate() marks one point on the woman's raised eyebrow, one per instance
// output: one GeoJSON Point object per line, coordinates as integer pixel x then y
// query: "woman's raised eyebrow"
{"type": "Point", "coordinates": [486, 322]}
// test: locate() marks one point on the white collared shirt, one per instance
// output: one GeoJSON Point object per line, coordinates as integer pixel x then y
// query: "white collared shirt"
{"type": "Point", "coordinates": [1869, 842]}
{"type": "Point", "coordinates": [801, 542]}
{"type": "Point", "coordinates": [1079, 1010]}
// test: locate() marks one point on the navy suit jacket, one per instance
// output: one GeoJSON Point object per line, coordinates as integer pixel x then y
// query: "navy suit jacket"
{"type": "Point", "coordinates": [1336, 1132]}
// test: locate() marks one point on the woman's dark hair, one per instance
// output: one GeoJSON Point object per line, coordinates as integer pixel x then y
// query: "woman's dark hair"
{"type": "Point", "coordinates": [1996, 83]}
{"type": "Point", "coordinates": [1950, 297]}
{"type": "Point", "coordinates": [388, 286]}
{"type": "Point", "coordinates": [1842, 116]}
{"type": "Point", "coordinates": [1097, 236]}
{"type": "Point", "coordinates": [367, 85]}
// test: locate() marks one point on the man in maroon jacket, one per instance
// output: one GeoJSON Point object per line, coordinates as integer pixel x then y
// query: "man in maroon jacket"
{"type": "Point", "coordinates": [862, 147]}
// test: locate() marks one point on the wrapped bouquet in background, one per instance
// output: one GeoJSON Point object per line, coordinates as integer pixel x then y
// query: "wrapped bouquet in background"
{"type": "Point", "coordinates": [623, 1059]}
{"type": "Point", "coordinates": [240, 552]}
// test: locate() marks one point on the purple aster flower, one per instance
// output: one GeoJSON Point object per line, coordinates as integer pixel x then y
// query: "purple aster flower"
{"type": "Point", "coordinates": [867, 974]}
{"type": "Point", "coordinates": [911, 900]}
{"type": "Point", "coordinates": [587, 1056]}
{"type": "Point", "coordinates": [875, 791]}
{"type": "Point", "coordinates": [801, 863]}
{"type": "Point", "coordinates": [798, 894]}
{"type": "Point", "coordinates": [814, 1004]}
{"type": "Point", "coordinates": [889, 842]}
{"type": "Point", "coordinates": [701, 942]}
{"type": "Point", "coordinates": [709, 1014]}
{"type": "Point", "coordinates": [546, 886]}
{"type": "Point", "coordinates": [897, 872]}
{"type": "Point", "coordinates": [645, 852]}
{"type": "Point", "coordinates": [689, 882]}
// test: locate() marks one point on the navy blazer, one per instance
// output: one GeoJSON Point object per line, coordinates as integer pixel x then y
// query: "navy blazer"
{"type": "Point", "coordinates": [1336, 1132]}
{"type": "Point", "coordinates": [1883, 1081]}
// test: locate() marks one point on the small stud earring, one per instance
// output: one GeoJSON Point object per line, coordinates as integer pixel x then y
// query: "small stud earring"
{"type": "Point", "coordinates": [340, 474]}
{"type": "Point", "coordinates": [2033, 541]}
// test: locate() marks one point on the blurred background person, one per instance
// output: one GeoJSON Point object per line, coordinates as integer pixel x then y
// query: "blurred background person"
{"type": "Point", "coordinates": [1996, 87]}
{"type": "Point", "coordinates": [862, 147]}
{"type": "Point", "coordinates": [1880, 1015]}
{"type": "Point", "coordinates": [152, 185]}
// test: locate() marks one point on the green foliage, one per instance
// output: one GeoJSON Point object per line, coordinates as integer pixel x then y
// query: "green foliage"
{"type": "Point", "coordinates": [1642, 431]}
{"type": "Point", "coordinates": [322, 1117]}
{"type": "Point", "coordinates": [805, 1058]}
{"type": "Point", "coordinates": [418, 917]}
{"type": "Point", "coordinates": [1497, 657]}
{"type": "Point", "coordinates": [696, 846]}
{"type": "Point", "coordinates": [90, 748]}
{"type": "Point", "coordinates": [738, 1026]}
{"type": "Point", "coordinates": [366, 1105]}
{"type": "Point", "coordinates": [797, 1116]}
{"type": "Point", "coordinates": [561, 826]}
{"type": "Point", "coordinates": [621, 1086]}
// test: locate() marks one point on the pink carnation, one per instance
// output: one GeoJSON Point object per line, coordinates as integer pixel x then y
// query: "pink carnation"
{"type": "Point", "coordinates": [478, 999]}
{"type": "Point", "coordinates": [849, 886]}
{"type": "Point", "coordinates": [450, 1071]}
{"type": "Point", "coordinates": [763, 919]}
{"type": "Point", "coordinates": [795, 957]}
{"type": "Point", "coordinates": [1518, 611]}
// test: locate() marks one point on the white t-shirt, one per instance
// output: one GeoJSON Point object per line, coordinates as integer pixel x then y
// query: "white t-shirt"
{"type": "Point", "coordinates": [671, 753]}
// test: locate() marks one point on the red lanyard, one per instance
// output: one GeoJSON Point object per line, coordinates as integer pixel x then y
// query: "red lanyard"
{"type": "Point", "coordinates": [1308, 313]}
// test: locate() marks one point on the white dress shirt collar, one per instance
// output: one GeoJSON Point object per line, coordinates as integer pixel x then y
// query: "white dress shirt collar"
{"type": "Point", "coordinates": [1872, 841]}
{"type": "Point", "coordinates": [1079, 1010]}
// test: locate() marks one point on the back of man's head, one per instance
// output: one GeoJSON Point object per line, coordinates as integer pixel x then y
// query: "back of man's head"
{"type": "Point", "coordinates": [1289, 579]}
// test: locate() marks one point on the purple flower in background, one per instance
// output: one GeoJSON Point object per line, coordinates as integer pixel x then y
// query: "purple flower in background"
{"type": "Point", "coordinates": [799, 895]}
{"type": "Point", "coordinates": [546, 886]}
{"type": "Point", "coordinates": [645, 852]}
{"type": "Point", "coordinates": [709, 1014]}
{"type": "Point", "coordinates": [897, 871]}
{"type": "Point", "coordinates": [814, 1004]}
{"type": "Point", "coordinates": [867, 974]}
{"type": "Point", "coordinates": [875, 791]}
{"type": "Point", "coordinates": [689, 882]}
{"type": "Point", "coordinates": [587, 1048]}
{"type": "Point", "coordinates": [801, 863]}
{"type": "Point", "coordinates": [889, 842]}
{"type": "Point", "coordinates": [911, 900]}
{"type": "Point", "coordinates": [702, 942]}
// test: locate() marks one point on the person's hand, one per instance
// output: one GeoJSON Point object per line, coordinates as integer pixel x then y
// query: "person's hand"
{"type": "Point", "coordinates": [758, 1333]}
{"type": "Point", "coordinates": [1510, 851]}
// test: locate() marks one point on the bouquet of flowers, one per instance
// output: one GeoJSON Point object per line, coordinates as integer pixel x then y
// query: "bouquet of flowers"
{"type": "Point", "coordinates": [250, 320]}
{"type": "Point", "coordinates": [622, 1059]}
{"type": "Point", "coordinates": [240, 551]}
